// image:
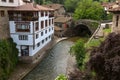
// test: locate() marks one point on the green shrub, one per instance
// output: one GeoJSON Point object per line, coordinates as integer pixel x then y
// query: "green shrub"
{"type": "Point", "coordinates": [8, 57]}
{"type": "Point", "coordinates": [61, 77]}
{"type": "Point", "coordinates": [79, 51]}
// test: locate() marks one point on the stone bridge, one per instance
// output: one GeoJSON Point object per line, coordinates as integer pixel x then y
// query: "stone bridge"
{"type": "Point", "coordinates": [82, 27]}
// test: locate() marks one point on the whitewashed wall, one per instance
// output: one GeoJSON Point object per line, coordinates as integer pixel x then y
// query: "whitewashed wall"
{"type": "Point", "coordinates": [9, 4]}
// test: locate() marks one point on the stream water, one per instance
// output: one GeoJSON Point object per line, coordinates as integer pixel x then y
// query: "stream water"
{"type": "Point", "coordinates": [53, 64]}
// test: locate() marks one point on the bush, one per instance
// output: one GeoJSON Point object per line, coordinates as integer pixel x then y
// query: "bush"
{"type": "Point", "coordinates": [105, 60]}
{"type": "Point", "coordinates": [61, 77]}
{"type": "Point", "coordinates": [79, 51]}
{"type": "Point", "coordinates": [8, 58]}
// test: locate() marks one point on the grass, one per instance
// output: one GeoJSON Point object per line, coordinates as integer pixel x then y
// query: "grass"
{"type": "Point", "coordinates": [94, 43]}
{"type": "Point", "coordinates": [107, 30]}
{"type": "Point", "coordinates": [75, 39]}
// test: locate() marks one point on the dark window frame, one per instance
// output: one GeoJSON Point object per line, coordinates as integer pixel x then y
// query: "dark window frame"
{"type": "Point", "coordinates": [11, 1]}
{"type": "Point", "coordinates": [2, 13]}
{"type": "Point", "coordinates": [117, 20]}
{"type": "Point", "coordinates": [42, 24]}
{"type": "Point", "coordinates": [3, 0]}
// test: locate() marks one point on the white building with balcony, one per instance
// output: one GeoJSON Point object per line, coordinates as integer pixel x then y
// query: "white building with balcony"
{"type": "Point", "coordinates": [5, 5]}
{"type": "Point", "coordinates": [31, 27]}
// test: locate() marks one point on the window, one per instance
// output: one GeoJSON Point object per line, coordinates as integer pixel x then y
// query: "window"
{"type": "Point", "coordinates": [49, 36]}
{"type": "Point", "coordinates": [117, 19]}
{"type": "Point", "coordinates": [49, 22]}
{"type": "Point", "coordinates": [22, 27]}
{"type": "Point", "coordinates": [45, 31]}
{"type": "Point", "coordinates": [49, 29]}
{"type": "Point", "coordinates": [42, 24]}
{"type": "Point", "coordinates": [11, 1]}
{"type": "Point", "coordinates": [24, 50]}
{"type": "Point", "coordinates": [38, 44]}
{"type": "Point", "coordinates": [52, 28]}
{"type": "Point", "coordinates": [42, 41]}
{"type": "Point", "coordinates": [36, 26]}
{"type": "Point", "coordinates": [37, 35]}
{"type": "Point", "coordinates": [3, 0]}
{"type": "Point", "coordinates": [46, 23]}
{"type": "Point", "coordinates": [52, 21]}
{"type": "Point", "coordinates": [46, 13]}
{"type": "Point", "coordinates": [41, 33]}
{"type": "Point", "coordinates": [42, 14]}
{"type": "Point", "coordinates": [2, 13]}
{"type": "Point", "coordinates": [23, 37]}
{"type": "Point", "coordinates": [46, 39]}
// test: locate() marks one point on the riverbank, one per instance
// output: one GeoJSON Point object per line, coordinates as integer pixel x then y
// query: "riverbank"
{"type": "Point", "coordinates": [23, 69]}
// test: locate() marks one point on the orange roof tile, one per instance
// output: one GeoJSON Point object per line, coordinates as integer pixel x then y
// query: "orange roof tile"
{"type": "Point", "coordinates": [115, 9]}
{"type": "Point", "coordinates": [62, 19]}
{"type": "Point", "coordinates": [53, 6]}
{"type": "Point", "coordinates": [31, 7]}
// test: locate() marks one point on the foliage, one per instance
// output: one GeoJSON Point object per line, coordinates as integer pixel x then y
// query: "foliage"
{"type": "Point", "coordinates": [8, 58]}
{"type": "Point", "coordinates": [88, 9]}
{"type": "Point", "coordinates": [107, 30]}
{"type": "Point", "coordinates": [105, 60]}
{"type": "Point", "coordinates": [76, 74]}
{"type": "Point", "coordinates": [71, 5]}
{"type": "Point", "coordinates": [49, 1]}
{"type": "Point", "coordinates": [61, 77]}
{"type": "Point", "coordinates": [39, 1]}
{"type": "Point", "coordinates": [94, 43]}
{"type": "Point", "coordinates": [79, 51]}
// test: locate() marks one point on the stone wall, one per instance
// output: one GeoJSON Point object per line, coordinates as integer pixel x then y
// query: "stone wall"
{"type": "Point", "coordinates": [4, 24]}
{"type": "Point", "coordinates": [114, 27]}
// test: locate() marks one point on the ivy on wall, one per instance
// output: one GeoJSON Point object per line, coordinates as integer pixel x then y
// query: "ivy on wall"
{"type": "Point", "coordinates": [8, 57]}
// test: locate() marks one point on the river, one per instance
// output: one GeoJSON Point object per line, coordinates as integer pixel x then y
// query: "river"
{"type": "Point", "coordinates": [55, 63]}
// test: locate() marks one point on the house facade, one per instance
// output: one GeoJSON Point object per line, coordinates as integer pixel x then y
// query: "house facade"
{"type": "Point", "coordinates": [32, 28]}
{"type": "Point", "coordinates": [5, 5]}
{"type": "Point", "coordinates": [59, 9]}
{"type": "Point", "coordinates": [115, 9]}
{"type": "Point", "coordinates": [61, 25]}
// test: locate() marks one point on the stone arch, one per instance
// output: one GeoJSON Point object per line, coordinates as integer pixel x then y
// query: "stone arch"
{"type": "Point", "coordinates": [82, 30]}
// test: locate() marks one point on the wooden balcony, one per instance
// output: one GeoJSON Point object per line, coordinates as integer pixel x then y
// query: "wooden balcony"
{"type": "Point", "coordinates": [22, 30]}
{"type": "Point", "coordinates": [51, 15]}
{"type": "Point", "coordinates": [25, 18]}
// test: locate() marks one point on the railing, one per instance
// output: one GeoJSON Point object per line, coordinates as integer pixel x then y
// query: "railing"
{"type": "Point", "coordinates": [28, 18]}
{"type": "Point", "coordinates": [51, 15]}
{"type": "Point", "coordinates": [22, 30]}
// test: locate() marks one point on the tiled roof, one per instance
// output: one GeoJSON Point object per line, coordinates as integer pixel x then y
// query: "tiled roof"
{"type": "Point", "coordinates": [53, 6]}
{"type": "Point", "coordinates": [114, 8]}
{"type": "Point", "coordinates": [108, 4]}
{"type": "Point", "coordinates": [57, 28]}
{"type": "Point", "coordinates": [31, 7]}
{"type": "Point", "coordinates": [62, 19]}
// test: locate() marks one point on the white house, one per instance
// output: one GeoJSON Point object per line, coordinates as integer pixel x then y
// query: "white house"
{"type": "Point", "coordinates": [31, 27]}
{"type": "Point", "coordinates": [13, 3]}
{"type": "Point", "coordinates": [5, 5]}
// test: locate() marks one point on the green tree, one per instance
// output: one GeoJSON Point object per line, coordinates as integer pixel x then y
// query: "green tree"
{"type": "Point", "coordinates": [71, 5]}
{"type": "Point", "coordinates": [39, 1]}
{"type": "Point", "coordinates": [61, 77]}
{"type": "Point", "coordinates": [79, 51]}
{"type": "Point", "coordinates": [8, 58]}
{"type": "Point", "coordinates": [89, 9]}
